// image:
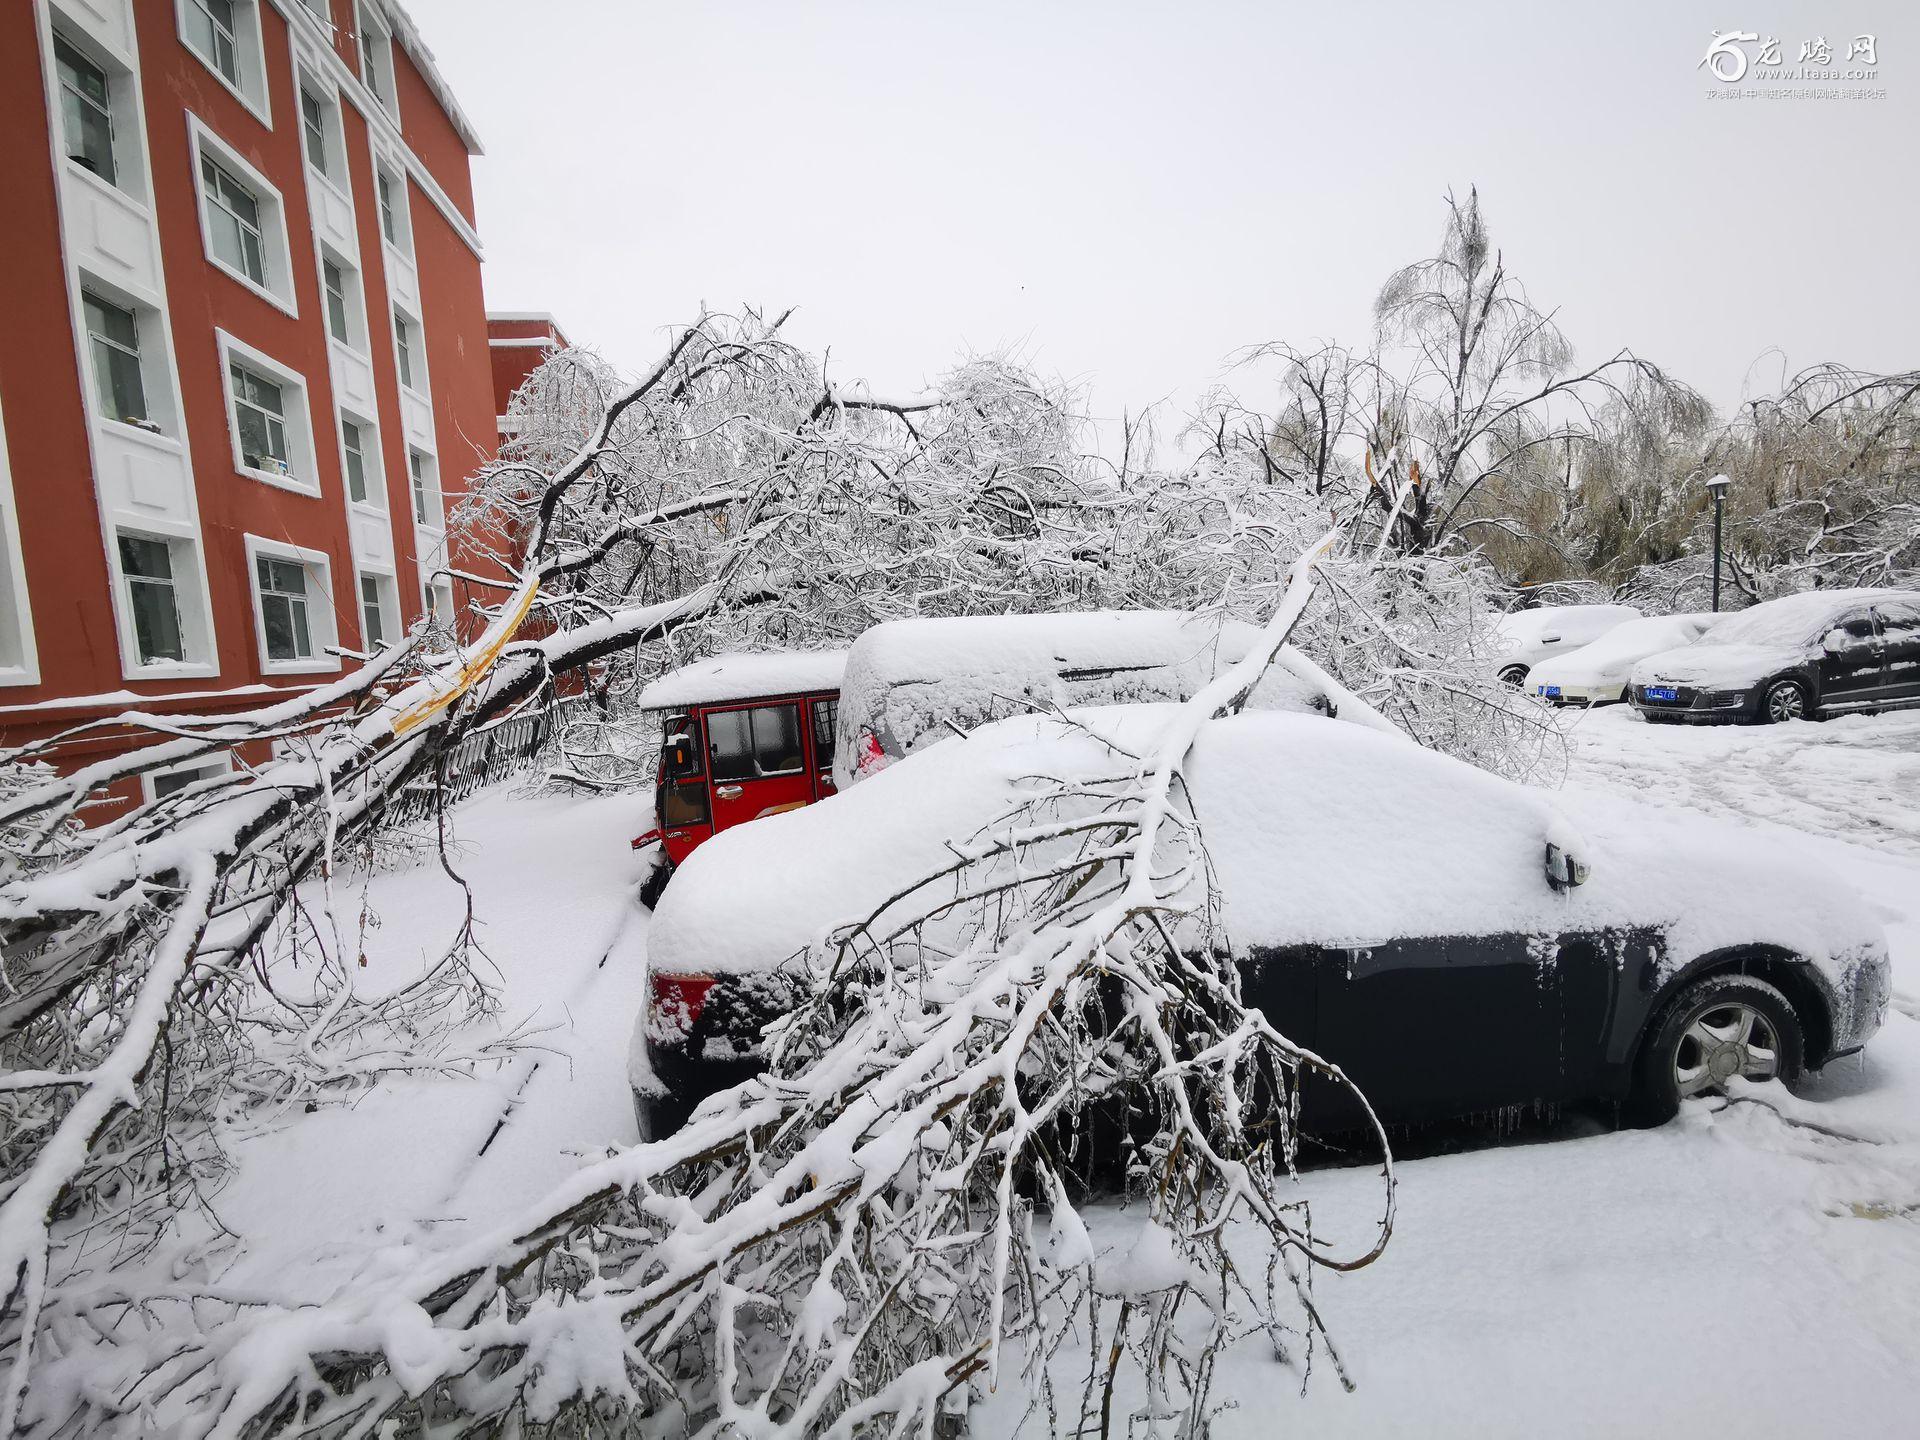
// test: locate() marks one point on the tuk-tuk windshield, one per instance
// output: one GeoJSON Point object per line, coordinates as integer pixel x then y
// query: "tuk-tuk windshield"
{"type": "Point", "coordinates": [679, 749]}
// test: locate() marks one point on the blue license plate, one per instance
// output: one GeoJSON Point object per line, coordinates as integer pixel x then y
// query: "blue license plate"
{"type": "Point", "coordinates": [1552, 692]}
{"type": "Point", "coordinates": [1662, 692]}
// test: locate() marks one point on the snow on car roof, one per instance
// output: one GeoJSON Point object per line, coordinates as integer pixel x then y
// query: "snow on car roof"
{"type": "Point", "coordinates": [1614, 652]}
{"type": "Point", "coordinates": [1793, 619]}
{"type": "Point", "coordinates": [909, 682]}
{"type": "Point", "coordinates": [1528, 625]}
{"type": "Point", "coordinates": [745, 677]}
{"type": "Point", "coordinates": [1319, 833]}
{"type": "Point", "coordinates": [998, 645]}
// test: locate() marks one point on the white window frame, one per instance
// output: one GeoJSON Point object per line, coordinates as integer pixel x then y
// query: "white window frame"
{"type": "Point", "coordinates": [297, 417]}
{"type": "Point", "coordinates": [19, 654]}
{"type": "Point", "coordinates": [401, 241]}
{"type": "Point", "coordinates": [373, 48]}
{"type": "Point", "coordinates": [322, 628]}
{"type": "Point", "coordinates": [389, 610]}
{"type": "Point", "coordinates": [414, 379]}
{"type": "Point", "coordinates": [332, 140]}
{"type": "Point", "coordinates": [147, 330]}
{"type": "Point", "coordinates": [249, 56]}
{"type": "Point", "coordinates": [75, 41]}
{"type": "Point", "coordinates": [436, 500]}
{"type": "Point", "coordinates": [276, 253]}
{"type": "Point", "coordinates": [129, 183]}
{"type": "Point", "coordinates": [221, 762]}
{"type": "Point", "coordinates": [372, 462]}
{"type": "Point", "coordinates": [434, 589]}
{"type": "Point", "coordinates": [353, 293]}
{"type": "Point", "coordinates": [189, 603]}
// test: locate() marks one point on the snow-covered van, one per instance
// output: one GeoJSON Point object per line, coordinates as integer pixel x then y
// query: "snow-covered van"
{"type": "Point", "coordinates": [909, 683]}
{"type": "Point", "coordinates": [741, 736]}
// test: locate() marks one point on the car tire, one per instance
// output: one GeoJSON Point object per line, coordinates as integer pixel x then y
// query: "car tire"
{"type": "Point", "coordinates": [1715, 1028]}
{"type": "Point", "coordinates": [1514, 676]}
{"type": "Point", "coordinates": [1785, 700]}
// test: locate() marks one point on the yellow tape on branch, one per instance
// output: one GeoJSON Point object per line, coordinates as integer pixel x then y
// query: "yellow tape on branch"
{"type": "Point", "coordinates": [477, 666]}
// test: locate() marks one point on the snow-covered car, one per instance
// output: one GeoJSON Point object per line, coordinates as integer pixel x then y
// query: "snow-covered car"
{"type": "Point", "coordinates": [1451, 938]}
{"type": "Point", "coordinates": [1597, 674]}
{"type": "Point", "coordinates": [1807, 656]}
{"type": "Point", "coordinates": [1526, 637]}
{"type": "Point", "coordinates": [913, 683]}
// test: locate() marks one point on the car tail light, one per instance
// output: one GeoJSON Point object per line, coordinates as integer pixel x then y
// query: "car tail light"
{"type": "Point", "coordinates": [674, 1002]}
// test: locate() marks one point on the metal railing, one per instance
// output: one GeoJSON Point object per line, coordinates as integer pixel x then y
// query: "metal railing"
{"type": "Point", "coordinates": [483, 758]}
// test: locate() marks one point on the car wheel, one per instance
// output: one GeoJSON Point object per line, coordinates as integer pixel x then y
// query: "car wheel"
{"type": "Point", "coordinates": [1715, 1029]}
{"type": "Point", "coordinates": [1514, 676]}
{"type": "Point", "coordinates": [1785, 700]}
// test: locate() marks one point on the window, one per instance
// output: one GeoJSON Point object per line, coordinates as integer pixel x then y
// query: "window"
{"type": "Point", "coordinates": [283, 608]}
{"type": "Point", "coordinates": [86, 114]}
{"type": "Point", "coordinates": [825, 712]}
{"type": "Point", "coordinates": [147, 566]}
{"type": "Point", "coordinates": [360, 446]}
{"type": "Point", "coordinates": [113, 340]}
{"type": "Point", "coordinates": [403, 343]}
{"type": "Point", "coordinates": [211, 28]}
{"type": "Point", "coordinates": [385, 185]}
{"type": "Point", "coordinates": [426, 490]}
{"type": "Point", "coordinates": [356, 461]}
{"type": "Point", "coordinates": [269, 418]}
{"type": "Point", "coordinates": [1900, 622]}
{"type": "Point", "coordinates": [243, 220]}
{"type": "Point", "coordinates": [233, 222]}
{"type": "Point", "coordinates": [749, 744]}
{"type": "Point", "coordinates": [313, 125]}
{"type": "Point", "coordinates": [438, 595]}
{"type": "Point", "coordinates": [336, 287]}
{"type": "Point", "coordinates": [373, 612]}
{"type": "Point", "coordinates": [374, 55]}
{"type": "Point", "coordinates": [172, 782]}
{"type": "Point", "coordinates": [1858, 628]}
{"type": "Point", "coordinates": [260, 416]}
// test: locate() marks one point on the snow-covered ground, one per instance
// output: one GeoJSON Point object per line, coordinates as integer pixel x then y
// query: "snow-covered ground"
{"type": "Point", "coordinates": [1754, 1267]}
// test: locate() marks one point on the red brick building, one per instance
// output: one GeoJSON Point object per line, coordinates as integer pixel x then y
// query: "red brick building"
{"type": "Point", "coordinates": [518, 342]}
{"type": "Point", "coordinates": [246, 362]}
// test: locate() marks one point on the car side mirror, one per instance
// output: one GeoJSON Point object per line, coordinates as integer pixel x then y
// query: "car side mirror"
{"type": "Point", "coordinates": [679, 753]}
{"type": "Point", "coordinates": [1834, 641]}
{"type": "Point", "coordinates": [1564, 870]}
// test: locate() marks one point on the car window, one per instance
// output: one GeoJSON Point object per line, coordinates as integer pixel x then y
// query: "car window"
{"type": "Point", "coordinates": [680, 727]}
{"type": "Point", "coordinates": [747, 744]}
{"type": "Point", "coordinates": [1857, 627]}
{"type": "Point", "coordinates": [825, 712]}
{"type": "Point", "coordinates": [1900, 621]}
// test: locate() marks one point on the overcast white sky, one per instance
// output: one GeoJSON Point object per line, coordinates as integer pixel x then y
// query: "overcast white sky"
{"type": "Point", "coordinates": [1129, 192]}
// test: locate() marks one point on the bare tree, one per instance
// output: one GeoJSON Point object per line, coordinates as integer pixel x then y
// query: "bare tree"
{"type": "Point", "coordinates": [1487, 380]}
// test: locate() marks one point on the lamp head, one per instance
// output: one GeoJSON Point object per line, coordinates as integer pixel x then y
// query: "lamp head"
{"type": "Point", "coordinates": [1717, 486]}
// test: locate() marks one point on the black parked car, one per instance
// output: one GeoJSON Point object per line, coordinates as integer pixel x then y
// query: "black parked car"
{"type": "Point", "coordinates": [1422, 923]}
{"type": "Point", "coordinates": [1806, 656]}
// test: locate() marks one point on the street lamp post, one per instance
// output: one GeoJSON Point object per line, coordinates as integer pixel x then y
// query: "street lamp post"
{"type": "Point", "coordinates": [1717, 487]}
